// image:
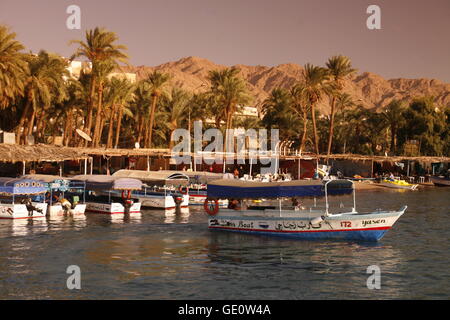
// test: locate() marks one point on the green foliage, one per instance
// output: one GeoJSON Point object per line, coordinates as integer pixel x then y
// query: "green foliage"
{"type": "Point", "coordinates": [427, 123]}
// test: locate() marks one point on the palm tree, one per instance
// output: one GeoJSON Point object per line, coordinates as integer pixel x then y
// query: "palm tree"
{"type": "Point", "coordinates": [99, 47]}
{"type": "Point", "coordinates": [45, 85]}
{"type": "Point", "coordinates": [228, 92]}
{"type": "Point", "coordinates": [315, 85]}
{"type": "Point", "coordinates": [277, 109]}
{"type": "Point", "coordinates": [339, 68]}
{"type": "Point", "coordinates": [175, 106]}
{"type": "Point", "coordinates": [157, 81]}
{"type": "Point", "coordinates": [141, 106]}
{"type": "Point", "coordinates": [125, 96]}
{"type": "Point", "coordinates": [300, 105]}
{"type": "Point", "coordinates": [393, 114]}
{"type": "Point", "coordinates": [13, 68]}
{"type": "Point", "coordinates": [100, 72]}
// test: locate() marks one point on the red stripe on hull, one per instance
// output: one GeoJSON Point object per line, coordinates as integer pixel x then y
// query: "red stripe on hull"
{"type": "Point", "coordinates": [292, 231]}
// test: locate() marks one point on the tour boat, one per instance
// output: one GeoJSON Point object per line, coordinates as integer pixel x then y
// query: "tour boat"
{"type": "Point", "coordinates": [198, 195]}
{"type": "Point", "coordinates": [64, 197]}
{"type": "Point", "coordinates": [16, 198]}
{"type": "Point", "coordinates": [161, 189]}
{"type": "Point", "coordinates": [102, 196]}
{"type": "Point", "coordinates": [294, 221]}
{"type": "Point", "coordinates": [398, 184]}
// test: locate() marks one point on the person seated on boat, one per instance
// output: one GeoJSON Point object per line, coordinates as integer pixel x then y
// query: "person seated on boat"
{"type": "Point", "coordinates": [234, 204]}
{"type": "Point", "coordinates": [297, 204]}
{"type": "Point", "coordinates": [391, 177]}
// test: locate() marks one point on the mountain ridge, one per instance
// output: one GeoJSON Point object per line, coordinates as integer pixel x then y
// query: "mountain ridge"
{"type": "Point", "coordinates": [367, 88]}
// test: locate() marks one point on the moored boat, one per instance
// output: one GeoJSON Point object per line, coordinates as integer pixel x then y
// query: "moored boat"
{"type": "Point", "coordinates": [161, 189]}
{"type": "Point", "coordinates": [441, 181]}
{"type": "Point", "coordinates": [398, 184]}
{"type": "Point", "coordinates": [64, 197]}
{"type": "Point", "coordinates": [16, 198]}
{"type": "Point", "coordinates": [102, 196]}
{"type": "Point", "coordinates": [294, 221]}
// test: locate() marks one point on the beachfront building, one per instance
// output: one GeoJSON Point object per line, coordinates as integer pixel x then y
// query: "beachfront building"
{"type": "Point", "coordinates": [76, 67]}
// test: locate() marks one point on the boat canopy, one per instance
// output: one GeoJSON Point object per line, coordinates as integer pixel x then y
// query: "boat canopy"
{"type": "Point", "coordinates": [104, 182]}
{"type": "Point", "coordinates": [14, 186]}
{"type": "Point", "coordinates": [53, 182]}
{"type": "Point", "coordinates": [238, 189]}
{"type": "Point", "coordinates": [155, 177]}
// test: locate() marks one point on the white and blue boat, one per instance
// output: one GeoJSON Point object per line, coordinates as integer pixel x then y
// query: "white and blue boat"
{"type": "Point", "coordinates": [110, 195]}
{"type": "Point", "coordinates": [293, 221]}
{"type": "Point", "coordinates": [161, 189]}
{"type": "Point", "coordinates": [64, 197]}
{"type": "Point", "coordinates": [16, 198]}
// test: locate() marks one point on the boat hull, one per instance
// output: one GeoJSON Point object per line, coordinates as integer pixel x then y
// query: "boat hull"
{"type": "Point", "coordinates": [399, 186]}
{"type": "Point", "coordinates": [199, 200]}
{"type": "Point", "coordinates": [111, 208]}
{"type": "Point", "coordinates": [350, 226]}
{"type": "Point", "coordinates": [58, 211]}
{"type": "Point", "coordinates": [440, 182]}
{"type": "Point", "coordinates": [19, 211]}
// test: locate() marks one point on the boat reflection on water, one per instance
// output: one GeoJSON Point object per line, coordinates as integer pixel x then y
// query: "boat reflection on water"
{"type": "Point", "coordinates": [125, 218]}
{"type": "Point", "coordinates": [321, 267]}
{"type": "Point", "coordinates": [176, 215]}
{"type": "Point", "coordinates": [63, 222]}
{"type": "Point", "coordinates": [23, 227]}
{"type": "Point", "coordinates": [114, 218]}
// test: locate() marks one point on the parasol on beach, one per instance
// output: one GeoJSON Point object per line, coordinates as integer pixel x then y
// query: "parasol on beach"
{"type": "Point", "coordinates": [84, 135]}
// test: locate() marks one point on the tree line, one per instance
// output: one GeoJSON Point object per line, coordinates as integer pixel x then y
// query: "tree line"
{"type": "Point", "coordinates": [39, 99]}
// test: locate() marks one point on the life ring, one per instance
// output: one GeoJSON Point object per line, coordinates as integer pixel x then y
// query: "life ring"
{"type": "Point", "coordinates": [207, 207]}
{"type": "Point", "coordinates": [128, 196]}
{"type": "Point", "coordinates": [183, 190]}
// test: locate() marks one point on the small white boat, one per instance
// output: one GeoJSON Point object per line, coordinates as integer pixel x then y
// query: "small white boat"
{"type": "Point", "coordinates": [16, 198]}
{"type": "Point", "coordinates": [63, 196]}
{"type": "Point", "coordinates": [294, 221]}
{"type": "Point", "coordinates": [398, 184]}
{"type": "Point", "coordinates": [161, 189]}
{"type": "Point", "coordinates": [102, 196]}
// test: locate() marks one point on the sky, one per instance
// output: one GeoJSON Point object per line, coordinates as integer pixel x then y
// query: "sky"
{"type": "Point", "coordinates": [413, 42]}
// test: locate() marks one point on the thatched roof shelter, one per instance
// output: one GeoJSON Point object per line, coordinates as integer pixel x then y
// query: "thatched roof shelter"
{"type": "Point", "coordinates": [357, 157]}
{"type": "Point", "coordinates": [40, 152]}
{"type": "Point", "coordinates": [51, 153]}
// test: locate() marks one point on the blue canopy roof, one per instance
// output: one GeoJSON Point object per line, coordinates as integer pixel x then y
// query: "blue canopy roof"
{"type": "Point", "coordinates": [238, 189]}
{"type": "Point", "coordinates": [12, 186]}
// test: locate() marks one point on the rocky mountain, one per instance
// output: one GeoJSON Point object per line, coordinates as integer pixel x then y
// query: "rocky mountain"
{"type": "Point", "coordinates": [368, 89]}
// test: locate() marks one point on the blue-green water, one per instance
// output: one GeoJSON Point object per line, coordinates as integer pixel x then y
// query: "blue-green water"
{"type": "Point", "coordinates": [156, 257]}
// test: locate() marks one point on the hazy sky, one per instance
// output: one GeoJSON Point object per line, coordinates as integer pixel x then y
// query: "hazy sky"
{"type": "Point", "coordinates": [414, 40]}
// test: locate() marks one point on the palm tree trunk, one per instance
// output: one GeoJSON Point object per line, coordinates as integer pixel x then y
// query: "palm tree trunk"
{"type": "Point", "coordinates": [152, 118]}
{"type": "Point", "coordinates": [140, 127]}
{"type": "Point", "coordinates": [119, 124]}
{"type": "Point", "coordinates": [98, 117]}
{"type": "Point", "coordinates": [316, 140]}
{"type": "Point", "coordinates": [66, 129]}
{"type": "Point", "coordinates": [305, 128]}
{"type": "Point", "coordinates": [39, 123]}
{"type": "Point", "coordinates": [90, 114]}
{"type": "Point", "coordinates": [330, 133]}
{"type": "Point", "coordinates": [31, 123]}
{"type": "Point", "coordinates": [23, 118]}
{"type": "Point", "coordinates": [100, 130]}
{"type": "Point", "coordinates": [110, 128]}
